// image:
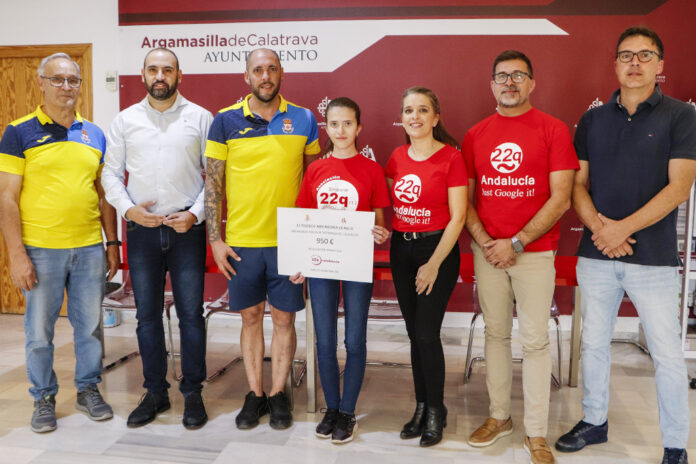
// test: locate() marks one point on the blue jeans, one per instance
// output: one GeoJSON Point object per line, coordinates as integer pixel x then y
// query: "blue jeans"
{"type": "Point", "coordinates": [151, 253]}
{"type": "Point", "coordinates": [654, 291]}
{"type": "Point", "coordinates": [324, 294]}
{"type": "Point", "coordinates": [80, 272]}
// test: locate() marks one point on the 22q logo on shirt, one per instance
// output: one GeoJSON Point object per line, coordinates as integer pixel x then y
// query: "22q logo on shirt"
{"type": "Point", "coordinates": [506, 157]}
{"type": "Point", "coordinates": [337, 194]}
{"type": "Point", "coordinates": [408, 188]}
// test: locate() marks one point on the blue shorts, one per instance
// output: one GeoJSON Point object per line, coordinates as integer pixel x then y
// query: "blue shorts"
{"type": "Point", "coordinates": [257, 276]}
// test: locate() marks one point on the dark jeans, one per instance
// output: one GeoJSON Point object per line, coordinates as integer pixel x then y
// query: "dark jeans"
{"type": "Point", "coordinates": [151, 253]}
{"type": "Point", "coordinates": [356, 301]}
{"type": "Point", "coordinates": [424, 313]}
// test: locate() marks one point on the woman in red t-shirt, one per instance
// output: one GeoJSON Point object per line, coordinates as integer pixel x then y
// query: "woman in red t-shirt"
{"type": "Point", "coordinates": [346, 180]}
{"type": "Point", "coordinates": [428, 182]}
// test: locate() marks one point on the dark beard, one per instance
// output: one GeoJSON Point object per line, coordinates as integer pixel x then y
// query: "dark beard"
{"type": "Point", "coordinates": [161, 93]}
{"type": "Point", "coordinates": [257, 94]}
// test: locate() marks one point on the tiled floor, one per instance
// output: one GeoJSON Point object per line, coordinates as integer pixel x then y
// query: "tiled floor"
{"type": "Point", "coordinates": [385, 404]}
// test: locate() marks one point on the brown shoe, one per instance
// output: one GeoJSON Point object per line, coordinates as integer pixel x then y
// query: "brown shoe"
{"type": "Point", "coordinates": [489, 432]}
{"type": "Point", "coordinates": [539, 451]}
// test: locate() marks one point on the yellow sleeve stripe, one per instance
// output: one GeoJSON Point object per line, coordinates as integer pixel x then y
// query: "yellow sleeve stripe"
{"type": "Point", "coordinates": [216, 150]}
{"type": "Point", "coordinates": [236, 106]}
{"type": "Point", "coordinates": [12, 164]}
{"type": "Point", "coordinates": [19, 121]}
{"type": "Point", "coordinates": [313, 148]}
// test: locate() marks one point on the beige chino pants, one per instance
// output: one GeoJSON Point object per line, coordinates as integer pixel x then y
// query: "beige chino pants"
{"type": "Point", "coordinates": [529, 283]}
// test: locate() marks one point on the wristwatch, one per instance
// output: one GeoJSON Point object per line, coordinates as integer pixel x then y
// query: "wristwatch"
{"type": "Point", "coordinates": [517, 245]}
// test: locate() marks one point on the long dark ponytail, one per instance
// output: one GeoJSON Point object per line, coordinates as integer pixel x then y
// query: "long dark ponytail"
{"type": "Point", "coordinates": [439, 132]}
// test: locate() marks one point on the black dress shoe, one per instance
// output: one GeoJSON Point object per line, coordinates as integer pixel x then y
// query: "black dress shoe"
{"type": "Point", "coordinates": [254, 407]}
{"type": "Point", "coordinates": [281, 417]}
{"type": "Point", "coordinates": [435, 421]}
{"type": "Point", "coordinates": [675, 456]}
{"type": "Point", "coordinates": [150, 405]}
{"type": "Point", "coordinates": [581, 435]}
{"type": "Point", "coordinates": [414, 427]}
{"type": "Point", "coordinates": [195, 416]}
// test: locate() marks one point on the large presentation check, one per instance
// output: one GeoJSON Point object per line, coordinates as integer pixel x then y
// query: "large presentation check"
{"type": "Point", "coordinates": [326, 243]}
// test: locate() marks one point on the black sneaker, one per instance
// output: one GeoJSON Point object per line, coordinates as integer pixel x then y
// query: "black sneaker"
{"type": "Point", "coordinates": [581, 435]}
{"type": "Point", "coordinates": [345, 426]}
{"type": "Point", "coordinates": [675, 456]}
{"type": "Point", "coordinates": [281, 417]}
{"type": "Point", "coordinates": [195, 416]}
{"type": "Point", "coordinates": [327, 424]}
{"type": "Point", "coordinates": [254, 407]}
{"type": "Point", "coordinates": [90, 401]}
{"type": "Point", "coordinates": [150, 405]}
{"type": "Point", "coordinates": [44, 417]}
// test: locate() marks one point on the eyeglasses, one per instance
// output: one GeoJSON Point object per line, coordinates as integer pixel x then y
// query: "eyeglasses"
{"type": "Point", "coordinates": [517, 77]}
{"type": "Point", "coordinates": [57, 81]}
{"type": "Point", "coordinates": [626, 56]}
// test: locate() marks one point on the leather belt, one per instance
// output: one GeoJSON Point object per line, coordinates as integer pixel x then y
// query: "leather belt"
{"type": "Point", "coordinates": [408, 236]}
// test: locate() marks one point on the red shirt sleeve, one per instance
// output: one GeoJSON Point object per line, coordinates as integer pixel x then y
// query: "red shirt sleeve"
{"type": "Point", "coordinates": [562, 153]}
{"type": "Point", "coordinates": [380, 191]}
{"type": "Point", "coordinates": [468, 154]}
{"type": "Point", "coordinates": [457, 174]}
{"type": "Point", "coordinates": [390, 169]}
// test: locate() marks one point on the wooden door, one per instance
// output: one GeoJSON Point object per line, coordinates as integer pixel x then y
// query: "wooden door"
{"type": "Point", "coordinates": [20, 95]}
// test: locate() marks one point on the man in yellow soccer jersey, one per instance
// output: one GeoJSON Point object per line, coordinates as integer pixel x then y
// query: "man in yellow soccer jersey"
{"type": "Point", "coordinates": [51, 204]}
{"type": "Point", "coordinates": [259, 146]}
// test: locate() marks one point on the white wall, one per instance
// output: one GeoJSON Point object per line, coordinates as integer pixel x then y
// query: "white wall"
{"type": "Point", "coordinates": [46, 22]}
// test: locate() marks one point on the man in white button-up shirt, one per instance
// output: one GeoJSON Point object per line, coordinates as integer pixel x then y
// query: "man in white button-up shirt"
{"type": "Point", "coordinates": [160, 142]}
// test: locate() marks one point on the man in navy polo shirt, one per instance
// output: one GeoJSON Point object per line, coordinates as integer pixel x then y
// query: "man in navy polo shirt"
{"type": "Point", "coordinates": [638, 153]}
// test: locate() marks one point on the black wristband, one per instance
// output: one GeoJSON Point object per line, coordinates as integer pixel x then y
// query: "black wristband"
{"type": "Point", "coordinates": [113, 242]}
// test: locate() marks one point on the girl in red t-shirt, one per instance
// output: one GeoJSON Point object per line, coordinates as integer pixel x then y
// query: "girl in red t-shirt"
{"type": "Point", "coordinates": [345, 179]}
{"type": "Point", "coordinates": [428, 183]}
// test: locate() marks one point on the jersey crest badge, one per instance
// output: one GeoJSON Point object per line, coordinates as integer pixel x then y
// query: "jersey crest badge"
{"type": "Point", "coordinates": [85, 137]}
{"type": "Point", "coordinates": [287, 126]}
